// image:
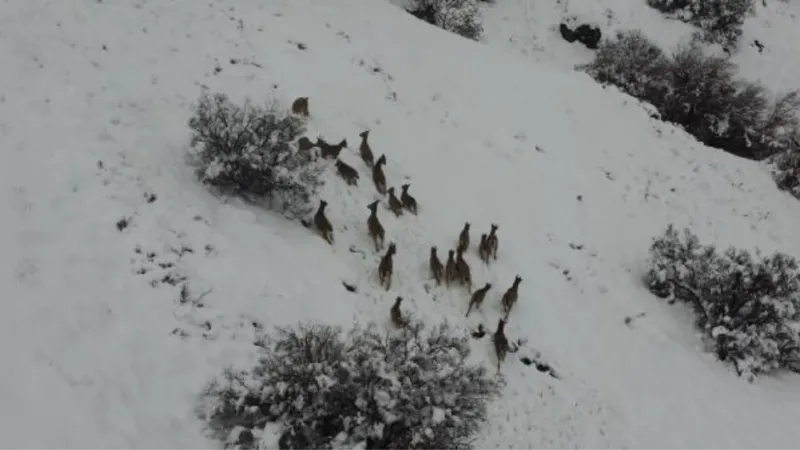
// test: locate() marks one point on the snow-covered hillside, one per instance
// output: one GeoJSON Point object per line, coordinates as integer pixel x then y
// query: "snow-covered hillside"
{"type": "Point", "coordinates": [98, 349]}
{"type": "Point", "coordinates": [531, 28]}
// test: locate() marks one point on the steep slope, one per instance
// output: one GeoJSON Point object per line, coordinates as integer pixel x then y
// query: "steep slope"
{"type": "Point", "coordinates": [94, 112]}
{"type": "Point", "coordinates": [531, 28]}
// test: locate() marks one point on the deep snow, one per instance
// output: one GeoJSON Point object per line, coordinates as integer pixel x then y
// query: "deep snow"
{"type": "Point", "coordinates": [94, 102]}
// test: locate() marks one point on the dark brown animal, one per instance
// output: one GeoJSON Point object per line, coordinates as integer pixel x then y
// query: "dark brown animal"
{"type": "Point", "coordinates": [463, 271]}
{"type": "Point", "coordinates": [300, 106]}
{"type": "Point", "coordinates": [437, 269]}
{"type": "Point", "coordinates": [409, 202]}
{"type": "Point", "coordinates": [365, 150]}
{"type": "Point", "coordinates": [396, 315]}
{"type": "Point", "coordinates": [511, 295]}
{"type": "Point", "coordinates": [330, 151]}
{"type": "Point", "coordinates": [483, 249]}
{"type": "Point", "coordinates": [347, 172]}
{"type": "Point", "coordinates": [377, 175]}
{"type": "Point", "coordinates": [323, 225]}
{"type": "Point", "coordinates": [501, 346]}
{"type": "Point", "coordinates": [304, 146]}
{"type": "Point", "coordinates": [374, 226]}
{"type": "Point", "coordinates": [385, 267]}
{"type": "Point", "coordinates": [394, 203]}
{"type": "Point", "coordinates": [478, 297]}
{"type": "Point", "coordinates": [492, 242]}
{"type": "Point", "coordinates": [463, 239]}
{"type": "Point", "coordinates": [450, 272]}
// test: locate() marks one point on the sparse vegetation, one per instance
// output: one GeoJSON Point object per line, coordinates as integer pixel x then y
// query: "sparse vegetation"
{"type": "Point", "coordinates": [748, 307]}
{"type": "Point", "coordinates": [247, 151]}
{"type": "Point", "coordinates": [718, 21]}
{"type": "Point", "coordinates": [462, 17]}
{"type": "Point", "coordinates": [785, 168]}
{"type": "Point", "coordinates": [410, 389]}
{"type": "Point", "coordinates": [701, 93]}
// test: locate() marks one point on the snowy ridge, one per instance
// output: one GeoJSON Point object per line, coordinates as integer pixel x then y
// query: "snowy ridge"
{"type": "Point", "coordinates": [94, 110]}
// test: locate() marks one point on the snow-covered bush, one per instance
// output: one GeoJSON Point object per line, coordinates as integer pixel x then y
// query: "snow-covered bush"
{"type": "Point", "coordinates": [785, 168]}
{"type": "Point", "coordinates": [724, 112]}
{"type": "Point", "coordinates": [459, 16]}
{"type": "Point", "coordinates": [749, 308]}
{"type": "Point", "coordinates": [718, 21]}
{"type": "Point", "coordinates": [700, 93]}
{"type": "Point", "coordinates": [633, 63]}
{"type": "Point", "coordinates": [246, 151]}
{"type": "Point", "coordinates": [367, 389]}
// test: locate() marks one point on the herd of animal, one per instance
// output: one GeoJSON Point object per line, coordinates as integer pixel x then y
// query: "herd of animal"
{"type": "Point", "coordinates": [455, 271]}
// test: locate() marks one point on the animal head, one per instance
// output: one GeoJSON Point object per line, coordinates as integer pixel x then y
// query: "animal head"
{"type": "Point", "coordinates": [488, 286]}
{"type": "Point", "coordinates": [483, 237]}
{"type": "Point", "coordinates": [450, 253]}
{"type": "Point", "coordinates": [392, 248]}
{"type": "Point", "coordinates": [405, 186]}
{"type": "Point", "coordinates": [517, 280]}
{"type": "Point", "coordinates": [466, 225]}
{"type": "Point", "coordinates": [343, 143]}
{"type": "Point", "coordinates": [433, 250]}
{"type": "Point", "coordinates": [381, 160]}
{"type": "Point", "coordinates": [397, 301]}
{"type": "Point", "coordinates": [390, 190]}
{"type": "Point", "coordinates": [322, 204]}
{"type": "Point", "coordinates": [494, 228]}
{"type": "Point", "coordinates": [364, 134]}
{"type": "Point", "coordinates": [373, 206]}
{"type": "Point", "coordinates": [500, 325]}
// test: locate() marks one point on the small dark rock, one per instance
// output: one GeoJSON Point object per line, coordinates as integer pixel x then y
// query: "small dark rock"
{"type": "Point", "coordinates": [586, 34]}
{"type": "Point", "coordinates": [566, 33]}
{"type": "Point", "coordinates": [349, 287]}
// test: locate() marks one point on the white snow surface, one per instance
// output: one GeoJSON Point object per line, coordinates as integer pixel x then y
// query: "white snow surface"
{"type": "Point", "coordinates": [94, 102]}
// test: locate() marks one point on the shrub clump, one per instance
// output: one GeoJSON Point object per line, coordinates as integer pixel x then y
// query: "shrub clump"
{"type": "Point", "coordinates": [633, 63]}
{"type": "Point", "coordinates": [785, 168]}
{"type": "Point", "coordinates": [701, 93]}
{"type": "Point", "coordinates": [323, 389]}
{"type": "Point", "coordinates": [247, 151]}
{"type": "Point", "coordinates": [462, 17]}
{"type": "Point", "coordinates": [718, 21]}
{"type": "Point", "coordinates": [748, 307]}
